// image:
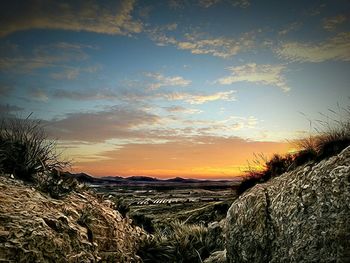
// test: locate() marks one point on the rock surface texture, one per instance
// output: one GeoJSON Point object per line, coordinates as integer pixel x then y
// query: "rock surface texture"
{"type": "Point", "coordinates": [301, 216]}
{"type": "Point", "coordinates": [79, 228]}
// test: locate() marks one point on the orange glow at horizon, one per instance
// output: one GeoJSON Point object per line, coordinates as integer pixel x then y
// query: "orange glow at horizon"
{"type": "Point", "coordinates": [218, 159]}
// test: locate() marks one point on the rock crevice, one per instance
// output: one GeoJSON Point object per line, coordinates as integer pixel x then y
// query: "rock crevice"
{"type": "Point", "coordinates": [301, 216]}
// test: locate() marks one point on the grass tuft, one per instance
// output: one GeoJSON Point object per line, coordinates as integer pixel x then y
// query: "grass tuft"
{"type": "Point", "coordinates": [178, 242]}
{"type": "Point", "coordinates": [331, 137]}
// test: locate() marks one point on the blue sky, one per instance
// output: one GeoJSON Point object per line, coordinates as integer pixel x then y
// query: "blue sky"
{"type": "Point", "coordinates": [152, 87]}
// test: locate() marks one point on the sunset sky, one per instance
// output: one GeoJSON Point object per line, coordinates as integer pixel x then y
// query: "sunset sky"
{"type": "Point", "coordinates": [188, 88]}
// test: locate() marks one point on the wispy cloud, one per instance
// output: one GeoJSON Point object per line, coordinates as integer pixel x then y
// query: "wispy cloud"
{"type": "Point", "coordinates": [5, 89]}
{"type": "Point", "coordinates": [71, 73]}
{"type": "Point", "coordinates": [331, 23]}
{"type": "Point", "coordinates": [200, 99]}
{"type": "Point", "coordinates": [96, 94]}
{"type": "Point", "coordinates": [180, 109]}
{"type": "Point", "coordinates": [68, 15]}
{"type": "Point", "coordinates": [163, 81]}
{"type": "Point", "coordinates": [38, 94]}
{"type": "Point", "coordinates": [238, 3]}
{"type": "Point", "coordinates": [336, 48]}
{"type": "Point", "coordinates": [194, 154]}
{"type": "Point", "coordinates": [176, 4]}
{"type": "Point", "coordinates": [115, 122]}
{"type": "Point", "coordinates": [289, 28]}
{"type": "Point", "coordinates": [52, 55]}
{"type": "Point", "coordinates": [265, 74]}
{"type": "Point", "coordinates": [9, 109]}
{"type": "Point", "coordinates": [196, 43]}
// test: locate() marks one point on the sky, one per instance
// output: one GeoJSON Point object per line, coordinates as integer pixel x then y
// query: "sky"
{"type": "Point", "coordinates": [190, 88]}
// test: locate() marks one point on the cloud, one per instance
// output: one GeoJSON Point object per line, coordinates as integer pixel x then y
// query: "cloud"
{"type": "Point", "coordinates": [112, 19]}
{"type": "Point", "coordinates": [180, 109]}
{"type": "Point", "coordinates": [162, 81]}
{"type": "Point", "coordinates": [220, 127]}
{"type": "Point", "coordinates": [115, 122]}
{"type": "Point", "coordinates": [331, 23]}
{"type": "Point", "coordinates": [102, 94]}
{"type": "Point", "coordinates": [237, 3]}
{"type": "Point", "coordinates": [71, 73]}
{"type": "Point", "coordinates": [38, 94]}
{"type": "Point", "coordinates": [336, 48]}
{"type": "Point", "coordinates": [200, 99]}
{"type": "Point", "coordinates": [5, 89]}
{"type": "Point", "coordinates": [8, 110]}
{"type": "Point", "coordinates": [207, 3]}
{"type": "Point", "coordinates": [289, 28]}
{"type": "Point", "coordinates": [51, 55]}
{"type": "Point", "coordinates": [261, 74]}
{"type": "Point", "coordinates": [201, 156]}
{"type": "Point", "coordinates": [223, 47]}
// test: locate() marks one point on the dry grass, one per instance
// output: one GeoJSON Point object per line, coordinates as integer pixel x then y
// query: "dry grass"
{"type": "Point", "coordinates": [178, 242]}
{"type": "Point", "coordinates": [331, 137]}
{"type": "Point", "coordinates": [25, 149]}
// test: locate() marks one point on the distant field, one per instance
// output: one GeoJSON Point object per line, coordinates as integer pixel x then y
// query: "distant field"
{"type": "Point", "coordinates": [200, 202]}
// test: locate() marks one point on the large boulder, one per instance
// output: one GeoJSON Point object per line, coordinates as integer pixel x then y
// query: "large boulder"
{"type": "Point", "coordinates": [79, 228]}
{"type": "Point", "coordinates": [301, 216]}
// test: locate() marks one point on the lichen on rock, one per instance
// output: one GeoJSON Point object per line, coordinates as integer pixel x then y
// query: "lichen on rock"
{"type": "Point", "coordinates": [301, 216]}
{"type": "Point", "coordinates": [79, 228]}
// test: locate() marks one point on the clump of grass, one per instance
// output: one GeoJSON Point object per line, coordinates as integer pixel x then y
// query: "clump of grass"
{"type": "Point", "coordinates": [331, 137]}
{"type": "Point", "coordinates": [25, 149]}
{"type": "Point", "coordinates": [264, 169]}
{"type": "Point", "coordinates": [178, 242]}
{"type": "Point", "coordinates": [28, 155]}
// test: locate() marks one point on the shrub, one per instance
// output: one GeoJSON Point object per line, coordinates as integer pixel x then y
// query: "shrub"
{"type": "Point", "coordinates": [25, 149]}
{"type": "Point", "coordinates": [57, 184]}
{"type": "Point", "coordinates": [120, 205]}
{"type": "Point", "coordinates": [143, 221]}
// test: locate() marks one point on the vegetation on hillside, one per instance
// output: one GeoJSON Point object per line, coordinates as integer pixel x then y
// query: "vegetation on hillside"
{"type": "Point", "coordinates": [28, 154]}
{"type": "Point", "coordinates": [332, 136]}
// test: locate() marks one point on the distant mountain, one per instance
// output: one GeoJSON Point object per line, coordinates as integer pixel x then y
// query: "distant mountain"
{"type": "Point", "coordinates": [182, 180]}
{"type": "Point", "coordinates": [142, 178]}
{"type": "Point", "coordinates": [86, 178]}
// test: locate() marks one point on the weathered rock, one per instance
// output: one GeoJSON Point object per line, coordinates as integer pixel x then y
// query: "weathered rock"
{"type": "Point", "coordinates": [214, 238]}
{"type": "Point", "coordinates": [79, 228]}
{"type": "Point", "coordinates": [301, 216]}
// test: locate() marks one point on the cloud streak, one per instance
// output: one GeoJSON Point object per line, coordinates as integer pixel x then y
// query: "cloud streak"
{"type": "Point", "coordinates": [68, 15]}
{"type": "Point", "coordinates": [197, 156]}
{"type": "Point", "coordinates": [336, 48]}
{"type": "Point", "coordinates": [265, 74]}
{"type": "Point", "coordinates": [180, 109]}
{"type": "Point", "coordinates": [52, 55]}
{"type": "Point", "coordinates": [103, 94]}
{"type": "Point", "coordinates": [116, 122]}
{"type": "Point", "coordinates": [223, 47]}
{"type": "Point", "coordinates": [162, 81]}
{"type": "Point", "coordinates": [331, 23]}
{"type": "Point", "coordinates": [200, 99]}
{"type": "Point", "coordinates": [236, 3]}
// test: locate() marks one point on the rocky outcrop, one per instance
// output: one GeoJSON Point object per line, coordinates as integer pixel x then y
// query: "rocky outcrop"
{"type": "Point", "coordinates": [79, 228]}
{"type": "Point", "coordinates": [301, 216]}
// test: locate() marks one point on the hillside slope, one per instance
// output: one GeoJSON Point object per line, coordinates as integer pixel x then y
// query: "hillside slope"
{"type": "Point", "coordinates": [301, 216]}
{"type": "Point", "coordinates": [79, 228]}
